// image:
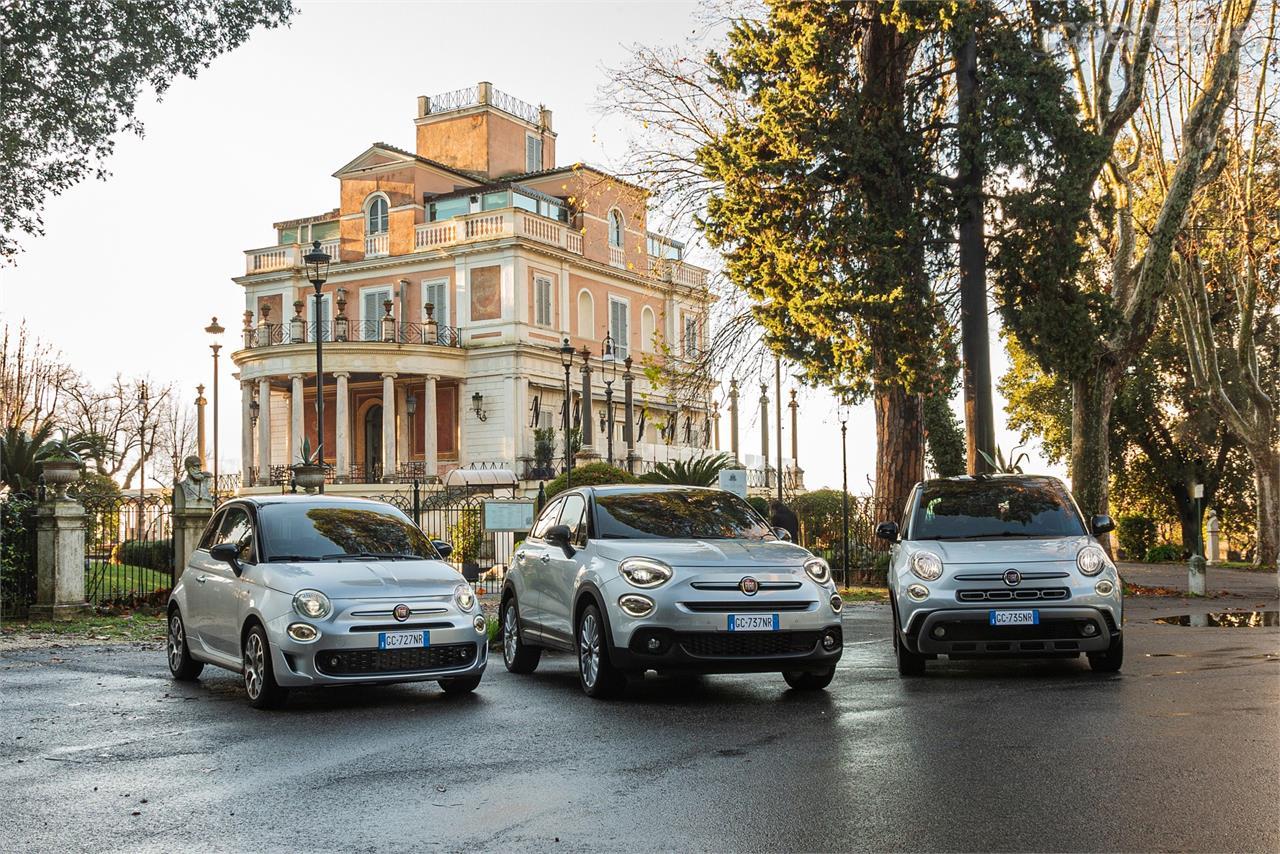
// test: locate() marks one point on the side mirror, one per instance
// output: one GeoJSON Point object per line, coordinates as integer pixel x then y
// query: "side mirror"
{"type": "Point", "coordinates": [444, 548]}
{"type": "Point", "coordinates": [1101, 524]}
{"type": "Point", "coordinates": [782, 534]}
{"type": "Point", "coordinates": [887, 531]}
{"type": "Point", "coordinates": [227, 553]}
{"type": "Point", "coordinates": [559, 535]}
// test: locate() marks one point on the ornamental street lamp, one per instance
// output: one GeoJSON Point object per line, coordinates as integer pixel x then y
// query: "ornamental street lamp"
{"type": "Point", "coordinates": [143, 399]}
{"type": "Point", "coordinates": [215, 329]}
{"type": "Point", "coordinates": [844, 480]}
{"type": "Point", "coordinates": [317, 262]}
{"type": "Point", "coordinates": [609, 369]}
{"type": "Point", "coordinates": [566, 361]}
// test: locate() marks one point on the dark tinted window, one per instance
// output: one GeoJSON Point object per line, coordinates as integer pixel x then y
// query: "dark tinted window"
{"type": "Point", "coordinates": [312, 531]}
{"type": "Point", "coordinates": [237, 530]}
{"type": "Point", "coordinates": [546, 520]}
{"type": "Point", "coordinates": [975, 510]}
{"type": "Point", "coordinates": [574, 516]}
{"type": "Point", "coordinates": [210, 538]}
{"type": "Point", "coordinates": [678, 514]}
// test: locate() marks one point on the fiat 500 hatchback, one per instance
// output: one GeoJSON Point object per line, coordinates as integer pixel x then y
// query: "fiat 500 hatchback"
{"type": "Point", "coordinates": [636, 578]}
{"type": "Point", "coordinates": [1001, 565]}
{"type": "Point", "coordinates": [294, 591]}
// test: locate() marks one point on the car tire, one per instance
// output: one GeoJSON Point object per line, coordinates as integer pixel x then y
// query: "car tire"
{"type": "Point", "coordinates": [804, 680]}
{"type": "Point", "coordinates": [460, 685]}
{"type": "Point", "coordinates": [1109, 661]}
{"type": "Point", "coordinates": [596, 673]}
{"type": "Point", "coordinates": [909, 663]}
{"type": "Point", "coordinates": [518, 656]}
{"type": "Point", "coordinates": [182, 666]}
{"type": "Point", "coordinates": [259, 673]}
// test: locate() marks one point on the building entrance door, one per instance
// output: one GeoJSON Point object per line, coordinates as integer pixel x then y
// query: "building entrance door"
{"type": "Point", "coordinates": [373, 445]}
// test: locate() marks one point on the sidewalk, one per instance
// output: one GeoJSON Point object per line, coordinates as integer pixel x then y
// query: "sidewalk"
{"type": "Point", "coordinates": [1237, 582]}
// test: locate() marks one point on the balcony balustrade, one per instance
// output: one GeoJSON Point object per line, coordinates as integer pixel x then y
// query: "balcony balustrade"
{"type": "Point", "coordinates": [378, 331]}
{"type": "Point", "coordinates": [377, 245]}
{"type": "Point", "coordinates": [678, 272]}
{"type": "Point", "coordinates": [617, 257]}
{"type": "Point", "coordinates": [283, 257]}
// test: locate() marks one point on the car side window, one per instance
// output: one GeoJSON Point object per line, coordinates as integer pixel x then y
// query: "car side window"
{"type": "Point", "coordinates": [574, 515]}
{"type": "Point", "coordinates": [237, 528]}
{"type": "Point", "coordinates": [210, 538]}
{"type": "Point", "coordinates": [546, 520]}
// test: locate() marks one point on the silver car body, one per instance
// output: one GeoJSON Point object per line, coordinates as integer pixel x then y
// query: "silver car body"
{"type": "Point", "coordinates": [984, 576]}
{"type": "Point", "coordinates": [217, 608]}
{"type": "Point", "coordinates": [691, 611]}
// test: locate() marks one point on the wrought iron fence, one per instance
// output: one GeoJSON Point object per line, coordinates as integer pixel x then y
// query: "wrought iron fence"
{"type": "Point", "coordinates": [128, 550]}
{"type": "Point", "coordinates": [17, 554]}
{"type": "Point", "coordinates": [386, 330]}
{"type": "Point", "coordinates": [822, 532]}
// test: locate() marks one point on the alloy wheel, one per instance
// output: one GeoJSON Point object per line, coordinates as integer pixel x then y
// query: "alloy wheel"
{"type": "Point", "coordinates": [177, 642]}
{"type": "Point", "coordinates": [509, 633]}
{"type": "Point", "coordinates": [253, 665]}
{"type": "Point", "coordinates": [589, 650]}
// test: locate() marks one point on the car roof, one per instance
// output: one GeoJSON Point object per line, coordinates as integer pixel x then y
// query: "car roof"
{"type": "Point", "coordinates": [1000, 476]}
{"type": "Point", "coordinates": [290, 498]}
{"type": "Point", "coordinates": [625, 488]}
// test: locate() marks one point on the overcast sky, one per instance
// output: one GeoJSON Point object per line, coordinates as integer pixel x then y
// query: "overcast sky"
{"type": "Point", "coordinates": [131, 269]}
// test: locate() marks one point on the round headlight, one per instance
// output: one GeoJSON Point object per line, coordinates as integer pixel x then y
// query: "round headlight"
{"type": "Point", "coordinates": [1091, 560]}
{"type": "Point", "coordinates": [818, 570]}
{"type": "Point", "coordinates": [635, 605]}
{"type": "Point", "coordinates": [464, 596]}
{"type": "Point", "coordinates": [926, 565]}
{"type": "Point", "coordinates": [645, 572]}
{"type": "Point", "coordinates": [312, 603]}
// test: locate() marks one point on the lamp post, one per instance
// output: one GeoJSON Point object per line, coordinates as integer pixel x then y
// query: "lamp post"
{"type": "Point", "coordinates": [844, 481]}
{"type": "Point", "coordinates": [215, 329]}
{"type": "Point", "coordinates": [411, 409]}
{"type": "Point", "coordinates": [566, 361]}
{"type": "Point", "coordinates": [143, 399]}
{"type": "Point", "coordinates": [610, 370]}
{"type": "Point", "coordinates": [317, 274]}
{"type": "Point", "coordinates": [255, 409]}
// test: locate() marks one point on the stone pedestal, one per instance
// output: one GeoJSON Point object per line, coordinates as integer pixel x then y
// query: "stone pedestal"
{"type": "Point", "coordinates": [188, 525]}
{"type": "Point", "coordinates": [1195, 575]}
{"type": "Point", "coordinates": [60, 526]}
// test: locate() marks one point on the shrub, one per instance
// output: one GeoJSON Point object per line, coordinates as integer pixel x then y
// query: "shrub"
{"type": "Point", "coordinates": [821, 515]}
{"type": "Point", "coordinates": [151, 554]}
{"type": "Point", "coordinates": [1137, 535]}
{"type": "Point", "coordinates": [465, 535]}
{"type": "Point", "coordinates": [761, 505]}
{"type": "Point", "coordinates": [592, 474]}
{"type": "Point", "coordinates": [1164, 553]}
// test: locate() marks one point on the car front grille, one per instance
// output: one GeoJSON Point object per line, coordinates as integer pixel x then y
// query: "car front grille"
{"type": "Point", "coordinates": [1027, 594]}
{"type": "Point", "coordinates": [747, 644]}
{"type": "Point", "coordinates": [745, 606]}
{"type": "Point", "coordinates": [358, 662]}
{"type": "Point", "coordinates": [974, 630]}
{"type": "Point", "coordinates": [733, 585]}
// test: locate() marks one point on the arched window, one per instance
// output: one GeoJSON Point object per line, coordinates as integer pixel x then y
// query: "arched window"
{"type": "Point", "coordinates": [648, 328]}
{"type": "Point", "coordinates": [615, 228]}
{"type": "Point", "coordinates": [376, 217]}
{"type": "Point", "coordinates": [586, 316]}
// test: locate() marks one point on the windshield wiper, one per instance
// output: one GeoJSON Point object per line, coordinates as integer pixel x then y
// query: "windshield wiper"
{"type": "Point", "coordinates": [374, 556]}
{"type": "Point", "coordinates": [992, 536]}
{"type": "Point", "coordinates": [292, 558]}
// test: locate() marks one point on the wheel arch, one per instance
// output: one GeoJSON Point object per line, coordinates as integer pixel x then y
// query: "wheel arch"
{"type": "Point", "coordinates": [587, 594]}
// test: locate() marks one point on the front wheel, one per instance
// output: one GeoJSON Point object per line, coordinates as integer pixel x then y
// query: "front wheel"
{"type": "Point", "coordinates": [596, 672]}
{"type": "Point", "coordinates": [1109, 661]}
{"type": "Point", "coordinates": [460, 685]}
{"type": "Point", "coordinates": [183, 667]}
{"type": "Point", "coordinates": [803, 680]}
{"type": "Point", "coordinates": [259, 674]}
{"type": "Point", "coordinates": [909, 663]}
{"type": "Point", "coordinates": [518, 656]}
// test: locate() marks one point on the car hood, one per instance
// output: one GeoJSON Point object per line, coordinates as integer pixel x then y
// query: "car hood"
{"type": "Point", "coordinates": [1003, 551]}
{"type": "Point", "coordinates": [711, 553]}
{"type": "Point", "coordinates": [365, 579]}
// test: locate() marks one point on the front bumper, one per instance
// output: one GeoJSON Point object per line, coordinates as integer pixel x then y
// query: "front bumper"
{"type": "Point", "coordinates": [966, 632]}
{"type": "Point", "coordinates": [658, 648]}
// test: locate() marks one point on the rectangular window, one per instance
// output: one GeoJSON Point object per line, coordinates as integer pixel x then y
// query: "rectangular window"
{"type": "Point", "coordinates": [449, 208]}
{"type": "Point", "coordinates": [542, 289]}
{"type": "Point", "coordinates": [532, 153]}
{"type": "Point", "coordinates": [496, 201]}
{"type": "Point", "coordinates": [436, 292]}
{"type": "Point", "coordinates": [371, 313]}
{"type": "Point", "coordinates": [619, 327]}
{"type": "Point", "coordinates": [690, 336]}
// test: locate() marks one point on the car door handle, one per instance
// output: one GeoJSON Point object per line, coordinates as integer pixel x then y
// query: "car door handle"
{"type": "Point", "coordinates": [545, 558]}
{"type": "Point", "coordinates": [522, 557]}
{"type": "Point", "coordinates": [202, 578]}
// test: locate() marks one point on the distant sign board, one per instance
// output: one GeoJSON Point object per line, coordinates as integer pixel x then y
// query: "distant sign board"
{"type": "Point", "coordinates": [509, 515]}
{"type": "Point", "coordinates": [735, 481]}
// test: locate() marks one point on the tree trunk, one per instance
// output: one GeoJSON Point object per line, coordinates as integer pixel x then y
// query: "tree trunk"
{"type": "Point", "coordinates": [1266, 479]}
{"type": "Point", "coordinates": [1091, 398]}
{"type": "Point", "coordinates": [899, 448]}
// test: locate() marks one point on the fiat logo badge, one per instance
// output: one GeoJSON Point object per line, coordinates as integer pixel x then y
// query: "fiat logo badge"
{"type": "Point", "coordinates": [1012, 577]}
{"type": "Point", "coordinates": [401, 612]}
{"type": "Point", "coordinates": [749, 586]}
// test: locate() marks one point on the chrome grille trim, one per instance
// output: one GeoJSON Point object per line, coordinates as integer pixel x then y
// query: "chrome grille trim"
{"type": "Point", "coordinates": [999, 576]}
{"type": "Point", "coordinates": [733, 585]}
{"type": "Point", "coordinates": [1026, 594]}
{"type": "Point", "coordinates": [414, 612]}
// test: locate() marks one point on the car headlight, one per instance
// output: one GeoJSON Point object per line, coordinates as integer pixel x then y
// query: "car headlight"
{"type": "Point", "coordinates": [926, 565]}
{"type": "Point", "coordinates": [645, 572]}
{"type": "Point", "coordinates": [817, 569]}
{"type": "Point", "coordinates": [1091, 560]}
{"type": "Point", "coordinates": [312, 603]}
{"type": "Point", "coordinates": [464, 596]}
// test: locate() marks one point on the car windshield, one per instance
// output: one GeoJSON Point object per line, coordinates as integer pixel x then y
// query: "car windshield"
{"type": "Point", "coordinates": [987, 509]}
{"type": "Point", "coordinates": [337, 531]}
{"type": "Point", "coordinates": [678, 514]}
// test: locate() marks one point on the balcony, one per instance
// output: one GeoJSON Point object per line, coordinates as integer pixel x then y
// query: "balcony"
{"type": "Point", "coordinates": [377, 245]}
{"type": "Point", "coordinates": [285, 256]}
{"type": "Point", "coordinates": [384, 331]}
{"type": "Point", "coordinates": [491, 225]}
{"type": "Point", "coordinates": [678, 272]}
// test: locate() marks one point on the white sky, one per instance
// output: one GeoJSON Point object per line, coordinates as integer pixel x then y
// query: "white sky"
{"type": "Point", "coordinates": [131, 270]}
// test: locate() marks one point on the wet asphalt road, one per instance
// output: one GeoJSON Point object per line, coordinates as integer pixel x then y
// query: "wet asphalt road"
{"type": "Point", "coordinates": [1178, 752]}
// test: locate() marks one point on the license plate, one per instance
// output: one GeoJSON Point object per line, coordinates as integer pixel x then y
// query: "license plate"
{"type": "Point", "coordinates": [1014, 618]}
{"type": "Point", "coordinates": [753, 622]}
{"type": "Point", "coordinates": [403, 640]}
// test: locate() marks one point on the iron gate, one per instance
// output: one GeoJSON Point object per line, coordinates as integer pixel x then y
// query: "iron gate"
{"type": "Point", "coordinates": [128, 550]}
{"type": "Point", "coordinates": [17, 555]}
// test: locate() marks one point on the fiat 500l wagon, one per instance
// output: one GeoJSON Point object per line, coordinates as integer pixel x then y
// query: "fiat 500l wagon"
{"type": "Point", "coordinates": [637, 578]}
{"type": "Point", "coordinates": [296, 591]}
{"type": "Point", "coordinates": [1001, 565]}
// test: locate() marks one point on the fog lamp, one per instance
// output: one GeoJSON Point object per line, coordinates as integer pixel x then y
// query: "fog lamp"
{"type": "Point", "coordinates": [302, 632]}
{"type": "Point", "coordinates": [939, 631]}
{"type": "Point", "coordinates": [1104, 588]}
{"type": "Point", "coordinates": [836, 602]}
{"type": "Point", "coordinates": [829, 642]}
{"type": "Point", "coordinates": [1089, 630]}
{"type": "Point", "coordinates": [654, 644]}
{"type": "Point", "coordinates": [918, 592]}
{"type": "Point", "coordinates": [480, 624]}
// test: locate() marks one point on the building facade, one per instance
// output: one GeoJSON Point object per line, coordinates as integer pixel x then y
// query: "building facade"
{"type": "Point", "coordinates": [459, 270]}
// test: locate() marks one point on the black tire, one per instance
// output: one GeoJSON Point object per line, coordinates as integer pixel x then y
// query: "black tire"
{"type": "Point", "coordinates": [596, 673]}
{"type": "Point", "coordinates": [259, 673]}
{"type": "Point", "coordinates": [909, 663]}
{"type": "Point", "coordinates": [1110, 661]}
{"type": "Point", "coordinates": [182, 666]}
{"type": "Point", "coordinates": [460, 684]}
{"type": "Point", "coordinates": [803, 680]}
{"type": "Point", "coordinates": [518, 656]}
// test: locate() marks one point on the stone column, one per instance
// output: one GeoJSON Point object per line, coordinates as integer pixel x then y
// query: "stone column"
{"type": "Point", "coordinates": [295, 419]}
{"type": "Point", "coordinates": [430, 421]}
{"type": "Point", "coordinates": [388, 427]}
{"type": "Point", "coordinates": [188, 525]}
{"type": "Point", "coordinates": [1213, 528]}
{"type": "Point", "coordinates": [404, 445]}
{"type": "Point", "coordinates": [342, 426]}
{"type": "Point", "coordinates": [60, 527]}
{"type": "Point", "coordinates": [733, 419]}
{"type": "Point", "coordinates": [715, 424]}
{"type": "Point", "coordinates": [246, 435]}
{"type": "Point", "coordinates": [201, 402]}
{"type": "Point", "coordinates": [463, 459]}
{"type": "Point", "coordinates": [264, 432]}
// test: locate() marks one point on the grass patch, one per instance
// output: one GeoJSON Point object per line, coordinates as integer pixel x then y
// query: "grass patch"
{"type": "Point", "coordinates": [1239, 564]}
{"type": "Point", "coordinates": [864, 594]}
{"type": "Point", "coordinates": [104, 581]}
{"type": "Point", "coordinates": [88, 628]}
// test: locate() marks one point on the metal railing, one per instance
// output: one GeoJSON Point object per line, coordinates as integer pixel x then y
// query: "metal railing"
{"type": "Point", "coordinates": [474, 96]}
{"type": "Point", "coordinates": [383, 330]}
{"type": "Point", "coordinates": [128, 549]}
